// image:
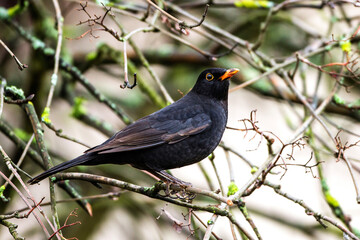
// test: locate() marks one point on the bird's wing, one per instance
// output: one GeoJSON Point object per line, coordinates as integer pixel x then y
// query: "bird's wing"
{"type": "Point", "coordinates": [165, 127]}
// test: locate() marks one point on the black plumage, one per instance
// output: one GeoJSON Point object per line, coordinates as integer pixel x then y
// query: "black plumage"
{"type": "Point", "coordinates": [180, 134]}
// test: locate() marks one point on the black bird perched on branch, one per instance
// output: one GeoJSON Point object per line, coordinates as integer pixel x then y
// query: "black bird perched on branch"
{"type": "Point", "coordinates": [180, 134]}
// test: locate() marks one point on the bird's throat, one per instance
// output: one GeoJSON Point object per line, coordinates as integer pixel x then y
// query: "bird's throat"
{"type": "Point", "coordinates": [218, 91]}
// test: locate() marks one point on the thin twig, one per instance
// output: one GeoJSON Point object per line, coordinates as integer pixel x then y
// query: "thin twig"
{"type": "Point", "coordinates": [201, 20]}
{"type": "Point", "coordinates": [319, 217]}
{"type": "Point", "coordinates": [26, 202]}
{"type": "Point", "coordinates": [299, 130]}
{"type": "Point", "coordinates": [210, 226]}
{"type": "Point", "coordinates": [2, 87]}
{"type": "Point", "coordinates": [21, 66]}
{"type": "Point", "coordinates": [165, 13]}
{"type": "Point", "coordinates": [22, 157]}
{"type": "Point", "coordinates": [10, 167]}
{"type": "Point", "coordinates": [54, 77]}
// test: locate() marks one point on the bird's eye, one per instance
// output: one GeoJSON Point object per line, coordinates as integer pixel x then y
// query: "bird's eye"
{"type": "Point", "coordinates": [209, 77]}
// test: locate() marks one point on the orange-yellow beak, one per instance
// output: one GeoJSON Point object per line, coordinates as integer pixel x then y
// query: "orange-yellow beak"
{"type": "Point", "coordinates": [229, 73]}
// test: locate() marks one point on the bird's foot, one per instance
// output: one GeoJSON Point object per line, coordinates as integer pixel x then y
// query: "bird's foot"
{"type": "Point", "coordinates": [178, 191]}
{"type": "Point", "coordinates": [174, 187]}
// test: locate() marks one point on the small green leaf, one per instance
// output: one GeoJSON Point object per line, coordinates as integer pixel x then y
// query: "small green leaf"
{"type": "Point", "coordinates": [78, 109]}
{"type": "Point", "coordinates": [18, 92]}
{"type": "Point", "coordinates": [91, 56]}
{"type": "Point", "coordinates": [254, 170]}
{"type": "Point", "coordinates": [18, 8]}
{"type": "Point", "coordinates": [232, 189]}
{"type": "Point", "coordinates": [345, 46]}
{"type": "Point", "coordinates": [2, 189]}
{"type": "Point", "coordinates": [2, 197]}
{"type": "Point", "coordinates": [45, 116]}
{"type": "Point", "coordinates": [337, 99]}
{"type": "Point", "coordinates": [253, 4]}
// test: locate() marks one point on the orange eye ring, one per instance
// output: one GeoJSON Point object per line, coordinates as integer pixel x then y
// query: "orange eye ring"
{"type": "Point", "coordinates": [209, 77]}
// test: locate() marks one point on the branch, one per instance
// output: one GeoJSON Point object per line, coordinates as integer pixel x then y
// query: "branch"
{"type": "Point", "coordinates": [150, 192]}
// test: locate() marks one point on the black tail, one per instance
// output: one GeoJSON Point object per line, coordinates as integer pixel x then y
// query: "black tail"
{"type": "Point", "coordinates": [65, 165]}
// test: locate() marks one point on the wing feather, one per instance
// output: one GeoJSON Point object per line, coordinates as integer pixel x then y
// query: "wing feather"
{"type": "Point", "coordinates": [168, 127]}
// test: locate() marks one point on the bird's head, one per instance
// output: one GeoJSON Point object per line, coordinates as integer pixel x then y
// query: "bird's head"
{"type": "Point", "coordinates": [214, 82]}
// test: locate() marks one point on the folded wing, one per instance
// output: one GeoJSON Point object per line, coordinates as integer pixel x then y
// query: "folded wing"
{"type": "Point", "coordinates": [169, 127]}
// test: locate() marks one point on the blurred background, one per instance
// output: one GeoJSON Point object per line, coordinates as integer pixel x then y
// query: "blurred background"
{"type": "Point", "coordinates": [299, 56]}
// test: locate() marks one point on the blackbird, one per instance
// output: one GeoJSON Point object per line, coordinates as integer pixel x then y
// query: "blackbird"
{"type": "Point", "coordinates": [180, 134]}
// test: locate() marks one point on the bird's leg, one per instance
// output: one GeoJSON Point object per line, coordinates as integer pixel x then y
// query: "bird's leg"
{"type": "Point", "coordinates": [163, 175]}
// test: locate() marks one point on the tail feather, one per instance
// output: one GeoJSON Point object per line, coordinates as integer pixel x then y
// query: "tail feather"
{"type": "Point", "coordinates": [63, 166]}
